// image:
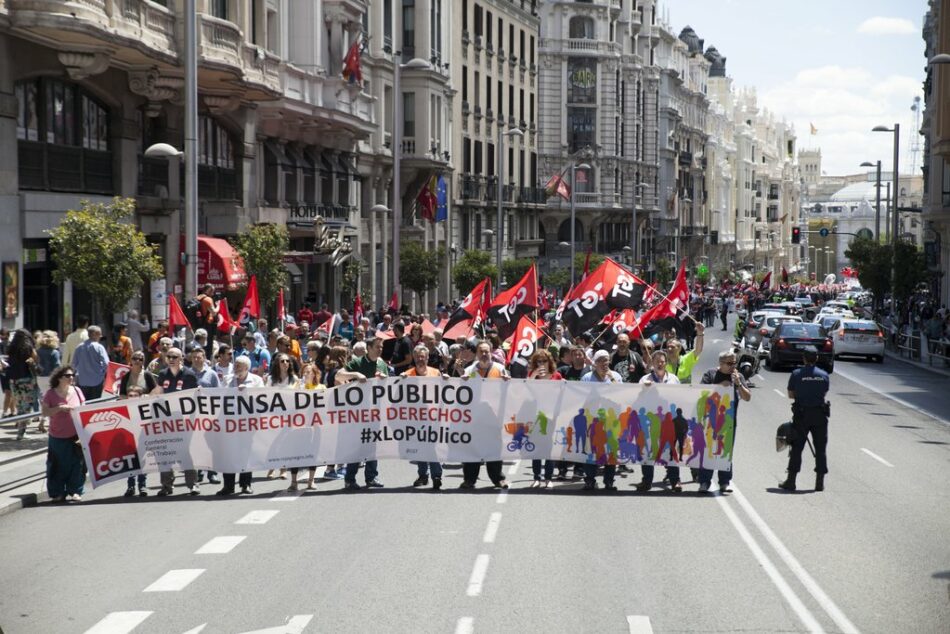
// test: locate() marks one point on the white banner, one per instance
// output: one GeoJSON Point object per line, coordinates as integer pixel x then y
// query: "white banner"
{"type": "Point", "coordinates": [433, 420]}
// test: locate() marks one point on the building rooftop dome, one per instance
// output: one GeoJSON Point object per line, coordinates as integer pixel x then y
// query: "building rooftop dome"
{"type": "Point", "coordinates": [855, 192]}
{"type": "Point", "coordinates": [689, 37]}
{"type": "Point", "coordinates": [717, 61]}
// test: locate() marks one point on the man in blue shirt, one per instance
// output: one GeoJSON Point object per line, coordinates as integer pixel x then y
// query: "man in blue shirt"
{"type": "Point", "coordinates": [259, 356]}
{"type": "Point", "coordinates": [808, 386]}
{"type": "Point", "coordinates": [91, 362]}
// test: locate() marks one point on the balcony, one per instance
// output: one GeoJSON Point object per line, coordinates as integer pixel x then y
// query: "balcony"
{"type": "Point", "coordinates": [597, 199]}
{"type": "Point", "coordinates": [219, 43]}
{"type": "Point", "coordinates": [471, 187]}
{"type": "Point", "coordinates": [262, 68]}
{"type": "Point", "coordinates": [532, 195]}
{"type": "Point", "coordinates": [64, 168]}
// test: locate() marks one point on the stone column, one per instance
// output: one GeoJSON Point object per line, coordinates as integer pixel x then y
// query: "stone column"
{"type": "Point", "coordinates": [11, 239]}
{"type": "Point", "coordinates": [336, 22]}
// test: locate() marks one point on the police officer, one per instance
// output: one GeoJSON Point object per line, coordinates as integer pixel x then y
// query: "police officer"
{"type": "Point", "coordinates": [808, 386]}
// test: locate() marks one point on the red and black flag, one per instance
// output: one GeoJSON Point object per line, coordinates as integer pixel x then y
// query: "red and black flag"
{"type": "Point", "coordinates": [627, 290]}
{"type": "Point", "coordinates": [519, 300]}
{"type": "Point", "coordinates": [586, 305]}
{"type": "Point", "coordinates": [471, 307]}
{"type": "Point", "coordinates": [527, 335]}
{"type": "Point", "coordinates": [766, 282]}
{"type": "Point", "coordinates": [784, 276]}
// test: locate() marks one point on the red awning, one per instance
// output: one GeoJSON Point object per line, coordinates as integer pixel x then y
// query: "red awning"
{"type": "Point", "coordinates": [219, 264]}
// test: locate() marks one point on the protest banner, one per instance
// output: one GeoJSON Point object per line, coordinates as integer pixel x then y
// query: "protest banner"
{"type": "Point", "coordinates": [426, 419]}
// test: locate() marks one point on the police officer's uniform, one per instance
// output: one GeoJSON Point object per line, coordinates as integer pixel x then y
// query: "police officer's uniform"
{"type": "Point", "coordinates": [810, 413]}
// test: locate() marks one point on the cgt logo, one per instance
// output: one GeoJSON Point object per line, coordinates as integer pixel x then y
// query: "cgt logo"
{"type": "Point", "coordinates": [113, 450]}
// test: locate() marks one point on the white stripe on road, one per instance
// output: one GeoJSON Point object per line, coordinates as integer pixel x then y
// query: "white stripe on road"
{"type": "Point", "coordinates": [877, 457]}
{"type": "Point", "coordinates": [492, 529]}
{"type": "Point", "coordinates": [843, 623]}
{"type": "Point", "coordinates": [804, 615]}
{"type": "Point", "coordinates": [295, 625]}
{"type": "Point", "coordinates": [119, 623]}
{"type": "Point", "coordinates": [477, 578]}
{"type": "Point", "coordinates": [466, 625]}
{"type": "Point", "coordinates": [896, 399]}
{"type": "Point", "coordinates": [502, 497]}
{"type": "Point", "coordinates": [780, 393]}
{"type": "Point", "coordinates": [286, 496]}
{"type": "Point", "coordinates": [760, 377]}
{"type": "Point", "coordinates": [221, 545]}
{"type": "Point", "coordinates": [197, 630]}
{"type": "Point", "coordinates": [175, 580]}
{"type": "Point", "coordinates": [513, 469]}
{"type": "Point", "coordinates": [257, 517]}
{"type": "Point", "coordinates": [639, 624]}
{"type": "Point", "coordinates": [714, 341]}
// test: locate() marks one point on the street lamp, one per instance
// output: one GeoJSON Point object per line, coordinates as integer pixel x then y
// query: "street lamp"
{"type": "Point", "coordinates": [513, 132]}
{"type": "Point", "coordinates": [877, 208]}
{"type": "Point", "coordinates": [896, 215]}
{"type": "Point", "coordinates": [634, 243]}
{"type": "Point", "coordinates": [574, 168]}
{"type": "Point", "coordinates": [413, 64]}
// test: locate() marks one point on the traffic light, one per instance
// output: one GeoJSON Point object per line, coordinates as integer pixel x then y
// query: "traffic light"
{"type": "Point", "coordinates": [796, 235]}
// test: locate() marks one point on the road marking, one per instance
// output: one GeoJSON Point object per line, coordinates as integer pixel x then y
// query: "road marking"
{"type": "Point", "coordinates": [294, 625]}
{"type": "Point", "coordinates": [779, 392]}
{"type": "Point", "coordinates": [175, 580]}
{"type": "Point", "coordinates": [466, 625]}
{"type": "Point", "coordinates": [286, 496]}
{"type": "Point", "coordinates": [639, 624]}
{"type": "Point", "coordinates": [804, 615]}
{"type": "Point", "coordinates": [714, 341]}
{"type": "Point", "coordinates": [492, 529]}
{"type": "Point", "coordinates": [760, 377]}
{"type": "Point", "coordinates": [198, 629]}
{"type": "Point", "coordinates": [477, 578]}
{"type": "Point", "coordinates": [513, 469]}
{"type": "Point", "coordinates": [119, 623]}
{"type": "Point", "coordinates": [221, 545]}
{"type": "Point", "coordinates": [257, 517]}
{"type": "Point", "coordinates": [896, 399]}
{"type": "Point", "coordinates": [502, 497]}
{"type": "Point", "coordinates": [877, 457]}
{"type": "Point", "coordinates": [843, 623]}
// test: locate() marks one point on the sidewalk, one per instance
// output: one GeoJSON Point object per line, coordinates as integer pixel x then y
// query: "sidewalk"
{"type": "Point", "coordinates": [936, 368]}
{"type": "Point", "coordinates": [22, 469]}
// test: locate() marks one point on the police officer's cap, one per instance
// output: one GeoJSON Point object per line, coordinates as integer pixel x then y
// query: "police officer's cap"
{"type": "Point", "coordinates": [810, 353]}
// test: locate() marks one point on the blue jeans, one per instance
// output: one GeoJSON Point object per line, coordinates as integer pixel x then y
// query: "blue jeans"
{"type": "Point", "coordinates": [130, 483]}
{"type": "Point", "coordinates": [673, 473]}
{"type": "Point", "coordinates": [548, 469]}
{"type": "Point", "coordinates": [353, 468]}
{"type": "Point", "coordinates": [590, 473]}
{"type": "Point", "coordinates": [65, 473]}
{"type": "Point", "coordinates": [705, 476]}
{"type": "Point", "coordinates": [423, 468]}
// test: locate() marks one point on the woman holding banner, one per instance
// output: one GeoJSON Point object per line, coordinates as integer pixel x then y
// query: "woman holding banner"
{"type": "Point", "coordinates": [282, 374]}
{"type": "Point", "coordinates": [309, 380]}
{"type": "Point", "coordinates": [660, 374]}
{"type": "Point", "coordinates": [65, 468]}
{"type": "Point", "coordinates": [541, 366]}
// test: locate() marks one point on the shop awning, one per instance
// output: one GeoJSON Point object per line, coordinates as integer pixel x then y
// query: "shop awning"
{"type": "Point", "coordinates": [219, 264]}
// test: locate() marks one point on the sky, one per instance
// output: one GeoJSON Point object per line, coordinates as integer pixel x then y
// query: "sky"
{"type": "Point", "coordinates": [843, 66]}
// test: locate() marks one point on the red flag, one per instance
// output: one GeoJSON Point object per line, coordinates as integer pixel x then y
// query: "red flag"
{"type": "Point", "coordinates": [766, 282]}
{"type": "Point", "coordinates": [252, 307]}
{"type": "Point", "coordinates": [526, 337]}
{"type": "Point", "coordinates": [176, 316]}
{"type": "Point", "coordinates": [509, 306]}
{"type": "Point", "coordinates": [114, 373]}
{"type": "Point", "coordinates": [660, 311]}
{"type": "Point", "coordinates": [464, 328]}
{"type": "Point", "coordinates": [471, 308]}
{"type": "Point", "coordinates": [557, 185]}
{"type": "Point", "coordinates": [587, 303]}
{"type": "Point", "coordinates": [357, 311]}
{"type": "Point", "coordinates": [649, 293]}
{"type": "Point", "coordinates": [224, 321]}
{"type": "Point", "coordinates": [351, 64]}
{"type": "Point", "coordinates": [327, 326]}
{"type": "Point", "coordinates": [427, 200]}
{"type": "Point", "coordinates": [678, 298]}
{"type": "Point", "coordinates": [394, 302]}
{"type": "Point", "coordinates": [281, 314]}
{"type": "Point", "coordinates": [624, 289]}
{"type": "Point", "coordinates": [586, 263]}
{"type": "Point", "coordinates": [559, 312]}
{"type": "Point", "coordinates": [784, 276]}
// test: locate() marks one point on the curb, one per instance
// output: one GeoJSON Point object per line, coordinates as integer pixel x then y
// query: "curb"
{"type": "Point", "coordinates": [916, 364]}
{"type": "Point", "coordinates": [17, 502]}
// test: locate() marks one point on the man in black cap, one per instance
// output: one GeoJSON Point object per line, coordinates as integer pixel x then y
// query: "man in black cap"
{"type": "Point", "coordinates": [808, 386]}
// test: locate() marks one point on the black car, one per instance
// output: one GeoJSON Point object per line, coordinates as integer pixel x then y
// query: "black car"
{"type": "Point", "coordinates": [790, 339]}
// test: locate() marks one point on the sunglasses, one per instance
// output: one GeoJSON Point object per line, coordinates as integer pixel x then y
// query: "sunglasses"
{"type": "Point", "coordinates": [68, 375]}
{"type": "Point", "coordinates": [139, 359]}
{"type": "Point", "coordinates": [729, 362]}
{"type": "Point", "coordinates": [285, 360]}
{"type": "Point", "coordinates": [173, 357]}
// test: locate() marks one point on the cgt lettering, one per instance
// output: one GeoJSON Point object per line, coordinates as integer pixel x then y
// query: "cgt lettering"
{"type": "Point", "coordinates": [117, 465]}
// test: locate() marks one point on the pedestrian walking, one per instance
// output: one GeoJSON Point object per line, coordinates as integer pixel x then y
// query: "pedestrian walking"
{"type": "Point", "coordinates": [808, 386]}
{"type": "Point", "coordinates": [23, 360]}
{"type": "Point", "coordinates": [65, 466]}
{"type": "Point", "coordinates": [91, 362]}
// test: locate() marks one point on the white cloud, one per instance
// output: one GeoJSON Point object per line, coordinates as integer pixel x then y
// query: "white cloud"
{"type": "Point", "coordinates": [880, 25]}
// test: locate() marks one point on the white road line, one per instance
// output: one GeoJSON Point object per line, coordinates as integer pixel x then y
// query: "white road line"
{"type": "Point", "coordinates": [477, 578]}
{"type": "Point", "coordinates": [780, 393]}
{"type": "Point", "coordinates": [760, 377]}
{"type": "Point", "coordinates": [502, 497]}
{"type": "Point", "coordinates": [198, 629]}
{"type": "Point", "coordinates": [896, 399]}
{"type": "Point", "coordinates": [257, 517]}
{"type": "Point", "coordinates": [639, 624]}
{"type": "Point", "coordinates": [221, 545]}
{"type": "Point", "coordinates": [806, 617]}
{"type": "Point", "coordinates": [175, 580]}
{"type": "Point", "coordinates": [492, 529]}
{"type": "Point", "coordinates": [294, 625]}
{"type": "Point", "coordinates": [513, 469]}
{"type": "Point", "coordinates": [466, 625]}
{"type": "Point", "coordinates": [119, 623]}
{"type": "Point", "coordinates": [877, 457]}
{"type": "Point", "coordinates": [714, 341]}
{"type": "Point", "coordinates": [286, 496]}
{"type": "Point", "coordinates": [843, 623]}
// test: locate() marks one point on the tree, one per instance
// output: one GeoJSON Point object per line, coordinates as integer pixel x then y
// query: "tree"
{"type": "Point", "coordinates": [596, 260]}
{"type": "Point", "coordinates": [100, 250]}
{"type": "Point", "coordinates": [262, 248]}
{"type": "Point", "coordinates": [664, 272]}
{"type": "Point", "coordinates": [472, 268]}
{"type": "Point", "coordinates": [419, 268]}
{"type": "Point", "coordinates": [873, 262]}
{"type": "Point", "coordinates": [559, 279]}
{"type": "Point", "coordinates": [910, 269]}
{"type": "Point", "coordinates": [514, 270]}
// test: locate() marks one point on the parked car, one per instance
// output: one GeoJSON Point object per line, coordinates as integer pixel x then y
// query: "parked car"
{"type": "Point", "coordinates": [860, 337]}
{"type": "Point", "coordinates": [769, 324]}
{"type": "Point", "coordinates": [791, 338]}
{"type": "Point", "coordinates": [753, 334]}
{"type": "Point", "coordinates": [828, 321]}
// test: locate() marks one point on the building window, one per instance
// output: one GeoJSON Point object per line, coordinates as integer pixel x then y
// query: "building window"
{"type": "Point", "coordinates": [219, 9]}
{"type": "Point", "coordinates": [581, 28]}
{"type": "Point", "coordinates": [582, 80]}
{"type": "Point", "coordinates": [478, 20]}
{"type": "Point", "coordinates": [581, 127]}
{"type": "Point", "coordinates": [409, 114]}
{"type": "Point", "coordinates": [217, 177]}
{"type": "Point", "coordinates": [408, 29]}
{"type": "Point", "coordinates": [388, 26]}
{"type": "Point", "coordinates": [63, 135]}
{"type": "Point", "coordinates": [435, 30]}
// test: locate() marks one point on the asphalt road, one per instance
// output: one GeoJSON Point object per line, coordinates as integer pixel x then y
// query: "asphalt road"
{"type": "Point", "coordinates": [869, 554]}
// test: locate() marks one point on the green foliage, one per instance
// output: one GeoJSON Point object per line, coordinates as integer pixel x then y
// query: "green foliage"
{"type": "Point", "coordinates": [664, 272]}
{"type": "Point", "coordinates": [103, 252]}
{"type": "Point", "coordinates": [472, 268]}
{"type": "Point", "coordinates": [351, 276]}
{"type": "Point", "coordinates": [702, 274]}
{"type": "Point", "coordinates": [873, 262]}
{"type": "Point", "coordinates": [419, 267]}
{"type": "Point", "coordinates": [557, 278]}
{"type": "Point", "coordinates": [262, 248]}
{"type": "Point", "coordinates": [514, 270]}
{"type": "Point", "coordinates": [596, 260]}
{"type": "Point", "coordinates": [910, 269]}
{"type": "Point", "coordinates": [723, 272]}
